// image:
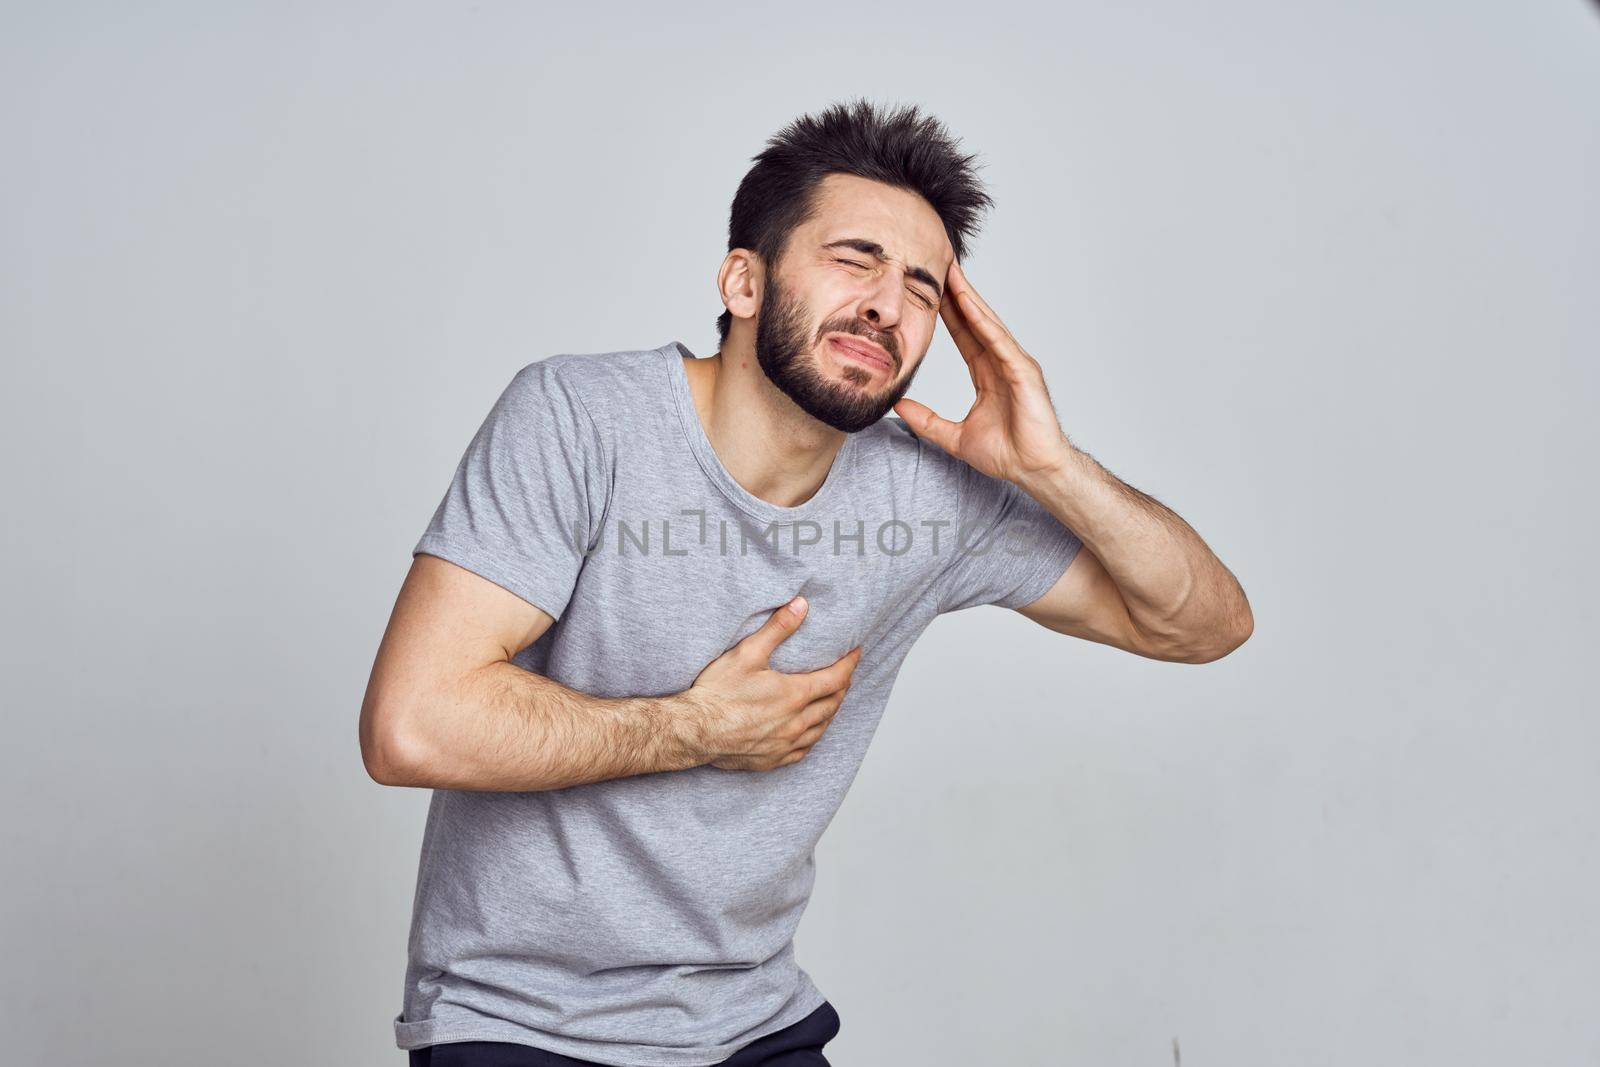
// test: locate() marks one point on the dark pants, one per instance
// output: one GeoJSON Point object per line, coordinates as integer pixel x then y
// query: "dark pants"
{"type": "Point", "coordinates": [796, 1045]}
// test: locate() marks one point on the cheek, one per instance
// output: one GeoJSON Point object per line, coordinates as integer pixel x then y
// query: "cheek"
{"type": "Point", "coordinates": [841, 296]}
{"type": "Point", "coordinates": [918, 335]}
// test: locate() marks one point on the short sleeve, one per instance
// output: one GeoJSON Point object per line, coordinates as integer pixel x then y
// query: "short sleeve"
{"type": "Point", "coordinates": [525, 504]}
{"type": "Point", "coordinates": [1007, 549]}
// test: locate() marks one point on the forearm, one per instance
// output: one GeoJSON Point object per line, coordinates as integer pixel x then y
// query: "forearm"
{"type": "Point", "coordinates": [504, 728]}
{"type": "Point", "coordinates": [1176, 590]}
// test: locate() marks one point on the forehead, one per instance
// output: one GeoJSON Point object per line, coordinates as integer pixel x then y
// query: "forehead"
{"type": "Point", "coordinates": [905, 224]}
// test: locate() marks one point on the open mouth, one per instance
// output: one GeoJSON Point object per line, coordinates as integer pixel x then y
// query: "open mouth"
{"type": "Point", "coordinates": [862, 352]}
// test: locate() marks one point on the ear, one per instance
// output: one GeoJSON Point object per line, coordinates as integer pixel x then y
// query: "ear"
{"type": "Point", "coordinates": [739, 281]}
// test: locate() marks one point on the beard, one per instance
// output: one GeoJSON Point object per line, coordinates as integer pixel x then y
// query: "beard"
{"type": "Point", "coordinates": [786, 350]}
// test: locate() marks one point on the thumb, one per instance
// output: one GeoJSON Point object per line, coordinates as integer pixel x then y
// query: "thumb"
{"type": "Point", "coordinates": [779, 625]}
{"type": "Point", "coordinates": [925, 423]}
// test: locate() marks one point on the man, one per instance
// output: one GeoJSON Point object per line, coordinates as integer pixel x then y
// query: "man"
{"type": "Point", "coordinates": [648, 634]}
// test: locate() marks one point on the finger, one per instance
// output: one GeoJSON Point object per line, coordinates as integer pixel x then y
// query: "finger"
{"type": "Point", "coordinates": [833, 677]}
{"type": "Point", "coordinates": [955, 321]}
{"type": "Point", "coordinates": [983, 324]}
{"type": "Point", "coordinates": [968, 327]}
{"type": "Point", "coordinates": [817, 715]}
{"type": "Point", "coordinates": [969, 297]}
{"type": "Point", "coordinates": [784, 620]}
{"type": "Point", "coordinates": [925, 423]}
{"type": "Point", "coordinates": [989, 327]}
{"type": "Point", "coordinates": [980, 364]}
{"type": "Point", "coordinates": [997, 341]}
{"type": "Point", "coordinates": [815, 731]}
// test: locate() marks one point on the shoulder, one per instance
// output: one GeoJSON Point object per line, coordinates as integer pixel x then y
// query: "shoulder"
{"type": "Point", "coordinates": [889, 449]}
{"type": "Point", "coordinates": [601, 384]}
{"type": "Point", "coordinates": [892, 438]}
{"type": "Point", "coordinates": [939, 480]}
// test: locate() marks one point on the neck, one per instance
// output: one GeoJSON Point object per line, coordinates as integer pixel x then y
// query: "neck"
{"type": "Point", "coordinates": [772, 448]}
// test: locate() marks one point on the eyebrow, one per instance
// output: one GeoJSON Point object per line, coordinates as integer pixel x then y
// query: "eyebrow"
{"type": "Point", "coordinates": [873, 248]}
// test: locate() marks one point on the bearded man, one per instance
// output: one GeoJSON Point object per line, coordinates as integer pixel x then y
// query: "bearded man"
{"type": "Point", "coordinates": [649, 632]}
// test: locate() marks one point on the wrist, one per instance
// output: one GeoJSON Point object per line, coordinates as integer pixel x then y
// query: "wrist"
{"type": "Point", "coordinates": [682, 735]}
{"type": "Point", "coordinates": [1051, 474]}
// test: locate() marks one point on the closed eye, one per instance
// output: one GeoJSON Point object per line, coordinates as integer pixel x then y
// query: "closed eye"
{"type": "Point", "coordinates": [922, 298]}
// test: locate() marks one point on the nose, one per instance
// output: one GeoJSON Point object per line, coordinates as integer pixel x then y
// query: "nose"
{"type": "Point", "coordinates": [883, 304]}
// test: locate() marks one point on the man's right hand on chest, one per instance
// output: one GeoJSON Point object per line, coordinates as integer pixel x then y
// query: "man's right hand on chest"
{"type": "Point", "coordinates": [743, 715]}
{"type": "Point", "coordinates": [445, 707]}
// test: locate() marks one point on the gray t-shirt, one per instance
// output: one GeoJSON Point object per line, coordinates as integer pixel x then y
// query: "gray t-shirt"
{"type": "Point", "coordinates": [650, 920]}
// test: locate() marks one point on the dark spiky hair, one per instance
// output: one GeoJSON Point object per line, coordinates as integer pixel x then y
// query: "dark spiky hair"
{"type": "Point", "coordinates": [898, 147]}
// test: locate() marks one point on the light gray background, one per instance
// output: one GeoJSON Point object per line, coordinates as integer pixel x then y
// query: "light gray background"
{"type": "Point", "coordinates": [1322, 278]}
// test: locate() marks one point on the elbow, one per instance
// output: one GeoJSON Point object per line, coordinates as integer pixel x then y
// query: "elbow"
{"type": "Point", "coordinates": [1219, 641]}
{"type": "Point", "coordinates": [384, 766]}
{"type": "Point", "coordinates": [389, 750]}
{"type": "Point", "coordinates": [1244, 625]}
